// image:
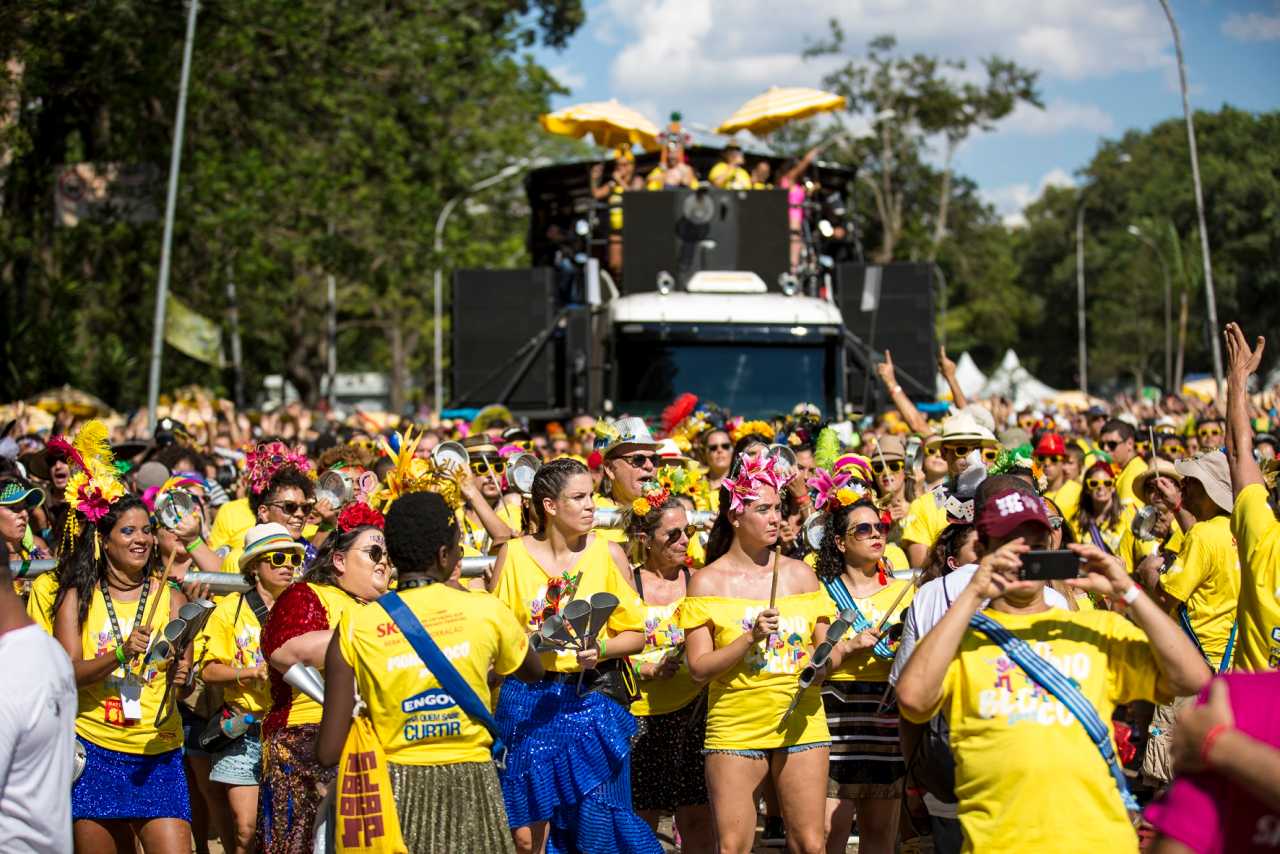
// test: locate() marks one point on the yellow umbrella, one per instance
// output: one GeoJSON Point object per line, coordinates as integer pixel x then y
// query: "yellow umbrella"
{"type": "Point", "coordinates": [770, 110]}
{"type": "Point", "coordinates": [79, 403]}
{"type": "Point", "coordinates": [609, 123]}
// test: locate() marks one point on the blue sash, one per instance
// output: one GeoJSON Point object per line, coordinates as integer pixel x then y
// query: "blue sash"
{"type": "Point", "coordinates": [844, 602]}
{"type": "Point", "coordinates": [1184, 619]}
{"type": "Point", "coordinates": [444, 672]}
{"type": "Point", "coordinates": [1051, 679]}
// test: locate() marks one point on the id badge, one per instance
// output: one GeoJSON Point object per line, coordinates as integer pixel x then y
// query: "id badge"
{"type": "Point", "coordinates": [131, 698]}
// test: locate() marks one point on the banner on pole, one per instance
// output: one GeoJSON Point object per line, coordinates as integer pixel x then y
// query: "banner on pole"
{"type": "Point", "coordinates": [193, 334]}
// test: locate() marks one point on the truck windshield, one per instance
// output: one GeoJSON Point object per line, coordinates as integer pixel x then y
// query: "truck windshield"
{"type": "Point", "coordinates": [750, 379]}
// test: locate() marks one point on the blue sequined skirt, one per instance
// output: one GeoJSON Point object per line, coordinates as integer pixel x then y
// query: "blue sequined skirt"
{"type": "Point", "coordinates": [569, 763]}
{"type": "Point", "coordinates": [118, 785]}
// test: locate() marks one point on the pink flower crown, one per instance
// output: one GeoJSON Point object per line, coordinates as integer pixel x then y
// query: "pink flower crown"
{"type": "Point", "coordinates": [754, 471]}
{"type": "Point", "coordinates": [261, 463]}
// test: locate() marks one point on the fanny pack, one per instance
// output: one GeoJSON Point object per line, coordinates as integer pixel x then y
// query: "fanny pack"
{"type": "Point", "coordinates": [444, 672]}
{"type": "Point", "coordinates": [1052, 680]}
{"type": "Point", "coordinates": [613, 678]}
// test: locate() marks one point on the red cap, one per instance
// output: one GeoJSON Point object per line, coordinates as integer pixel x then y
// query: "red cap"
{"type": "Point", "coordinates": [1005, 511]}
{"type": "Point", "coordinates": [1051, 445]}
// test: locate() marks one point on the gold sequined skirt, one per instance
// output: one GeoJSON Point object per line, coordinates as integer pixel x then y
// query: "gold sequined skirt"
{"type": "Point", "coordinates": [450, 808]}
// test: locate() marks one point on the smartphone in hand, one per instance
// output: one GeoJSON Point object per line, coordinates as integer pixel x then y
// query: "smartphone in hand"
{"type": "Point", "coordinates": [1050, 565]}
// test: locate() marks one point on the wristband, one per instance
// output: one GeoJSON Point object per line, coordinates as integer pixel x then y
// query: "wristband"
{"type": "Point", "coordinates": [326, 528]}
{"type": "Point", "coordinates": [895, 389]}
{"type": "Point", "coordinates": [120, 654]}
{"type": "Point", "coordinates": [603, 646]}
{"type": "Point", "coordinates": [195, 544]}
{"type": "Point", "coordinates": [1210, 737]}
{"type": "Point", "coordinates": [238, 672]}
{"type": "Point", "coordinates": [1131, 595]}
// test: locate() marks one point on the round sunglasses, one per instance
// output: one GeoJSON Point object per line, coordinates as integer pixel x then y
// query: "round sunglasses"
{"type": "Point", "coordinates": [864, 530]}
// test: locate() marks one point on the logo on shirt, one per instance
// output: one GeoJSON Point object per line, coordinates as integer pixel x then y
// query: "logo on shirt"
{"type": "Point", "coordinates": [430, 700]}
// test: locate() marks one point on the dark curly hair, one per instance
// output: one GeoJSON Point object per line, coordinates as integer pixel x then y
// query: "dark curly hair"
{"type": "Point", "coordinates": [830, 563]}
{"type": "Point", "coordinates": [549, 482]}
{"type": "Point", "coordinates": [287, 477]}
{"type": "Point", "coordinates": [83, 569]}
{"type": "Point", "coordinates": [418, 526]}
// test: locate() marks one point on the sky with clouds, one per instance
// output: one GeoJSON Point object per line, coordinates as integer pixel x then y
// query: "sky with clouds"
{"type": "Point", "coordinates": [1105, 65]}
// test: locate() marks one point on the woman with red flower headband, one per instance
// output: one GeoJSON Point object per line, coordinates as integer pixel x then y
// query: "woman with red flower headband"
{"type": "Point", "coordinates": [751, 646]}
{"type": "Point", "coordinates": [350, 570]}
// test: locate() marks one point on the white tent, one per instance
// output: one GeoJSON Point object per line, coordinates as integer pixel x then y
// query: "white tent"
{"type": "Point", "coordinates": [1013, 381]}
{"type": "Point", "coordinates": [969, 376]}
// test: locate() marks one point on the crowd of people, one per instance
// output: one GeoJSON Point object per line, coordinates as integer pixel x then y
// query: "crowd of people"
{"type": "Point", "coordinates": [999, 630]}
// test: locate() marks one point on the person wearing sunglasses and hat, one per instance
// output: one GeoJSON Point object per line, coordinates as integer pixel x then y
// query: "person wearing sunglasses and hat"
{"type": "Point", "coordinates": [1051, 453]}
{"type": "Point", "coordinates": [231, 648]}
{"type": "Point", "coordinates": [630, 459]}
{"type": "Point", "coordinates": [1147, 558]}
{"type": "Point", "coordinates": [486, 520]}
{"type": "Point", "coordinates": [926, 517]}
{"type": "Point", "coordinates": [18, 499]}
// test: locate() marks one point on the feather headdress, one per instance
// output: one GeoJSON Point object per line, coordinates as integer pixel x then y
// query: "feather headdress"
{"type": "Point", "coordinates": [261, 464]}
{"type": "Point", "coordinates": [827, 448]}
{"type": "Point", "coordinates": [411, 473]}
{"type": "Point", "coordinates": [94, 484]}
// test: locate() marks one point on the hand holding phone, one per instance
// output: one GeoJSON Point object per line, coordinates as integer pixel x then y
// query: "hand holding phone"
{"type": "Point", "coordinates": [1049, 565]}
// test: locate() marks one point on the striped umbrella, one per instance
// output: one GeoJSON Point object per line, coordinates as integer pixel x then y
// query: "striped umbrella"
{"type": "Point", "coordinates": [611, 124]}
{"type": "Point", "coordinates": [770, 110]}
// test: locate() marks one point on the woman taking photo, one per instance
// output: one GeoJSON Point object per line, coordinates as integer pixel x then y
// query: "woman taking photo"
{"type": "Point", "coordinates": [568, 736]}
{"type": "Point", "coordinates": [231, 654]}
{"type": "Point", "coordinates": [1100, 519]}
{"type": "Point", "coordinates": [667, 775]}
{"type": "Point", "coordinates": [446, 789]}
{"type": "Point", "coordinates": [867, 770]}
{"type": "Point", "coordinates": [110, 602]}
{"type": "Point", "coordinates": [752, 650]}
{"type": "Point", "coordinates": [349, 571]}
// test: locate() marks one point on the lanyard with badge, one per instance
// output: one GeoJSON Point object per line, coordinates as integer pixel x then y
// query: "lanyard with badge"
{"type": "Point", "coordinates": [130, 685]}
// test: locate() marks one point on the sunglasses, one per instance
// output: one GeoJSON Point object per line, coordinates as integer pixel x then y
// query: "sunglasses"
{"type": "Point", "coordinates": [673, 536]}
{"type": "Point", "coordinates": [720, 446]}
{"type": "Point", "coordinates": [1111, 444]}
{"type": "Point", "coordinates": [1142, 446]}
{"type": "Point", "coordinates": [638, 461]}
{"type": "Point", "coordinates": [1095, 483]}
{"type": "Point", "coordinates": [932, 451]}
{"type": "Point", "coordinates": [1209, 432]}
{"type": "Point", "coordinates": [485, 464]}
{"type": "Point", "coordinates": [1049, 458]}
{"type": "Point", "coordinates": [1173, 448]}
{"type": "Point", "coordinates": [956, 451]}
{"type": "Point", "coordinates": [292, 508]}
{"type": "Point", "coordinates": [290, 559]}
{"type": "Point", "coordinates": [376, 553]}
{"type": "Point", "coordinates": [864, 530]}
{"type": "Point", "coordinates": [892, 465]}
{"type": "Point", "coordinates": [1055, 522]}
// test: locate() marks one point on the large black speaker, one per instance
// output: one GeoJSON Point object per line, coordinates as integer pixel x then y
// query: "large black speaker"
{"type": "Point", "coordinates": [495, 313]}
{"type": "Point", "coordinates": [890, 307]}
{"type": "Point", "coordinates": [665, 230]}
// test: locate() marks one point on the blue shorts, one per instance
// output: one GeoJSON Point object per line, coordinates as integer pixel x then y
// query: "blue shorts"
{"type": "Point", "coordinates": [764, 754]}
{"type": "Point", "coordinates": [240, 764]}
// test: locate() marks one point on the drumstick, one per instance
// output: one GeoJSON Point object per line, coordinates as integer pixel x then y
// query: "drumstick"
{"type": "Point", "coordinates": [168, 565]}
{"type": "Point", "coordinates": [773, 590]}
{"type": "Point", "coordinates": [889, 613]}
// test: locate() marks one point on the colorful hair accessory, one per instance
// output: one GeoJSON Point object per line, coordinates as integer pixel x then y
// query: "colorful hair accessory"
{"type": "Point", "coordinates": [411, 473]}
{"type": "Point", "coordinates": [152, 495]}
{"type": "Point", "coordinates": [358, 514]}
{"type": "Point", "coordinates": [754, 471]}
{"type": "Point", "coordinates": [857, 465]}
{"type": "Point", "coordinates": [826, 449]}
{"type": "Point", "coordinates": [605, 434]}
{"type": "Point", "coordinates": [651, 499]}
{"type": "Point", "coordinates": [825, 485]}
{"type": "Point", "coordinates": [690, 483]}
{"type": "Point", "coordinates": [94, 484]}
{"type": "Point", "coordinates": [262, 463]}
{"type": "Point", "coordinates": [680, 409]}
{"type": "Point", "coordinates": [752, 428]}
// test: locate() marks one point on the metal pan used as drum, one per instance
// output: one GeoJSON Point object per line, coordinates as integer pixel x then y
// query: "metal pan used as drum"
{"type": "Point", "coordinates": [702, 518]}
{"type": "Point", "coordinates": [451, 454]}
{"type": "Point", "coordinates": [174, 506]}
{"type": "Point", "coordinates": [335, 489]}
{"type": "Point", "coordinates": [914, 453]}
{"type": "Point", "coordinates": [608, 517]}
{"type": "Point", "coordinates": [521, 471]}
{"type": "Point", "coordinates": [785, 459]}
{"type": "Point", "coordinates": [1144, 523]}
{"type": "Point", "coordinates": [814, 527]}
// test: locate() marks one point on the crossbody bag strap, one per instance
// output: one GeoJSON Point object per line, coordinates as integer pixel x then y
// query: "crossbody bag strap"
{"type": "Point", "coordinates": [260, 609]}
{"type": "Point", "coordinates": [444, 672]}
{"type": "Point", "coordinates": [845, 602]}
{"type": "Point", "coordinates": [1184, 620]}
{"type": "Point", "coordinates": [1052, 680]}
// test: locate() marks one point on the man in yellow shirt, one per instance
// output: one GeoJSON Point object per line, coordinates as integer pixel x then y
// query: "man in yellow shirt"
{"type": "Point", "coordinates": [728, 174]}
{"type": "Point", "coordinates": [1201, 588]}
{"type": "Point", "coordinates": [1252, 521]}
{"type": "Point", "coordinates": [926, 516]}
{"type": "Point", "coordinates": [1119, 439]}
{"type": "Point", "coordinates": [1018, 746]}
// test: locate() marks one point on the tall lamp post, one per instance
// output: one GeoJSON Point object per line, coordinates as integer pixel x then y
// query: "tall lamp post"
{"type": "Point", "coordinates": [1210, 297]}
{"type": "Point", "coordinates": [438, 246]}
{"type": "Point", "coordinates": [1082, 353]}
{"type": "Point", "coordinates": [1168, 305]}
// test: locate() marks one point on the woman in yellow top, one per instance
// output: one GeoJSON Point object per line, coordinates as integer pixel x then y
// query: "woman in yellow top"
{"type": "Point", "coordinates": [231, 654]}
{"type": "Point", "coordinates": [109, 604]}
{"type": "Point", "coordinates": [867, 771]}
{"type": "Point", "coordinates": [446, 789]}
{"type": "Point", "coordinates": [350, 570]}
{"type": "Point", "coordinates": [752, 652]}
{"type": "Point", "coordinates": [667, 775]}
{"type": "Point", "coordinates": [1100, 518]}
{"type": "Point", "coordinates": [568, 742]}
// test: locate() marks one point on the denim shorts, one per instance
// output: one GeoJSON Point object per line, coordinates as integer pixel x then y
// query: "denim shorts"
{"type": "Point", "coordinates": [764, 754]}
{"type": "Point", "coordinates": [240, 764]}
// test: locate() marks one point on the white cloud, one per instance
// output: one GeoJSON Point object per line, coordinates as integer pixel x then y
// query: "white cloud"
{"type": "Point", "coordinates": [1253, 27]}
{"type": "Point", "coordinates": [1058, 116]}
{"type": "Point", "coordinates": [1012, 199]}
{"type": "Point", "coordinates": [568, 78]}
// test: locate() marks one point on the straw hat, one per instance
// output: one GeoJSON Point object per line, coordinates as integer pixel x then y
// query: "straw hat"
{"type": "Point", "coordinates": [1214, 475]}
{"type": "Point", "coordinates": [268, 537]}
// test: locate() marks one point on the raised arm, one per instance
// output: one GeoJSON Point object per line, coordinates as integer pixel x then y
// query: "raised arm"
{"type": "Point", "coordinates": [948, 370]}
{"type": "Point", "coordinates": [915, 420]}
{"type": "Point", "coordinates": [1241, 363]}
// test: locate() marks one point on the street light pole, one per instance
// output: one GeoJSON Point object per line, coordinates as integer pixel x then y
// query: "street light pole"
{"type": "Point", "coordinates": [438, 247]}
{"type": "Point", "coordinates": [1168, 306]}
{"type": "Point", "coordinates": [171, 203]}
{"type": "Point", "coordinates": [1082, 353]}
{"type": "Point", "coordinates": [1209, 295]}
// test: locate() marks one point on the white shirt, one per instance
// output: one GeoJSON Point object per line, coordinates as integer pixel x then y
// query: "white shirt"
{"type": "Point", "coordinates": [37, 743]}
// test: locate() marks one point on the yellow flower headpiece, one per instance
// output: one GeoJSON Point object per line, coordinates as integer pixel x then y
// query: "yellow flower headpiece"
{"type": "Point", "coordinates": [412, 473]}
{"type": "Point", "coordinates": [691, 483]}
{"type": "Point", "coordinates": [753, 428]}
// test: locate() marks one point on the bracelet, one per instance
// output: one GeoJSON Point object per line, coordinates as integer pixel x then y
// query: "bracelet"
{"type": "Point", "coordinates": [120, 654]}
{"type": "Point", "coordinates": [895, 389]}
{"type": "Point", "coordinates": [195, 544]}
{"type": "Point", "coordinates": [1210, 737]}
{"type": "Point", "coordinates": [238, 672]}
{"type": "Point", "coordinates": [1131, 595]}
{"type": "Point", "coordinates": [603, 642]}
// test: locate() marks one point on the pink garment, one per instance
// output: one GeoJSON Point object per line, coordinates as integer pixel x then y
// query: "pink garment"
{"type": "Point", "coordinates": [795, 204]}
{"type": "Point", "coordinates": [1211, 815]}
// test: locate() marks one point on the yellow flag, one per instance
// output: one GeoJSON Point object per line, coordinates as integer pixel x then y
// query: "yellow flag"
{"type": "Point", "coordinates": [193, 334]}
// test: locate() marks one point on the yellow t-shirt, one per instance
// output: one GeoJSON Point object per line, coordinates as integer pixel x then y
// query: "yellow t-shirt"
{"type": "Point", "coordinates": [1124, 483]}
{"type": "Point", "coordinates": [104, 705]}
{"type": "Point", "coordinates": [1132, 550]}
{"type": "Point", "coordinates": [417, 721]}
{"type": "Point", "coordinates": [747, 701]}
{"type": "Point", "coordinates": [523, 587]}
{"type": "Point", "coordinates": [1206, 578]}
{"type": "Point", "coordinates": [1067, 497]}
{"type": "Point", "coordinates": [229, 525]}
{"type": "Point", "coordinates": [613, 535]}
{"type": "Point", "coordinates": [663, 638]}
{"type": "Point", "coordinates": [336, 602]}
{"type": "Point", "coordinates": [864, 665]}
{"type": "Point", "coordinates": [896, 557]}
{"type": "Point", "coordinates": [1011, 739]}
{"type": "Point", "coordinates": [233, 637]}
{"type": "Point", "coordinates": [737, 177]}
{"type": "Point", "coordinates": [44, 590]}
{"type": "Point", "coordinates": [926, 519]}
{"type": "Point", "coordinates": [1257, 534]}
